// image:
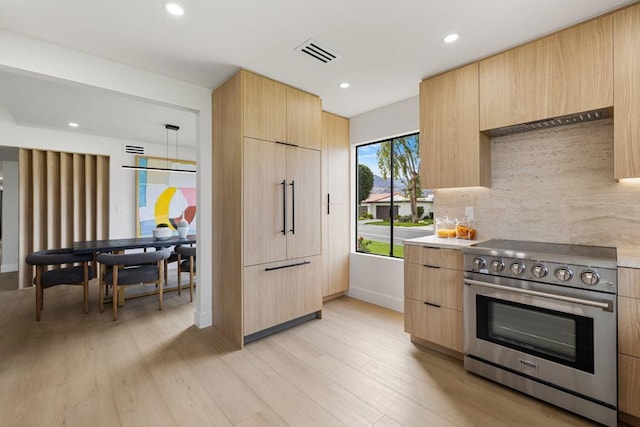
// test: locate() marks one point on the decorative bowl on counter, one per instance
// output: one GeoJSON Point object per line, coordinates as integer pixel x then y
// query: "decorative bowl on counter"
{"type": "Point", "coordinates": [162, 233]}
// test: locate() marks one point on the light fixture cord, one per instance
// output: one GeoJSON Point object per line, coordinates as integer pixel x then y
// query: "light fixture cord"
{"type": "Point", "coordinates": [167, 156]}
{"type": "Point", "coordinates": [177, 158]}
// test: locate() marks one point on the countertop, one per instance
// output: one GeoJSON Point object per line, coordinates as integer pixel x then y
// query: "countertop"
{"type": "Point", "coordinates": [438, 242]}
{"type": "Point", "coordinates": [629, 256]}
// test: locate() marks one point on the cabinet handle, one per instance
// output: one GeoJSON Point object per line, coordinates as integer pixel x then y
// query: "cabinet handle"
{"type": "Point", "coordinates": [431, 266]}
{"type": "Point", "coordinates": [287, 144]}
{"type": "Point", "coordinates": [293, 207]}
{"type": "Point", "coordinates": [289, 266]}
{"type": "Point", "coordinates": [284, 207]}
{"type": "Point", "coordinates": [432, 305]}
{"type": "Point", "coordinates": [328, 203]}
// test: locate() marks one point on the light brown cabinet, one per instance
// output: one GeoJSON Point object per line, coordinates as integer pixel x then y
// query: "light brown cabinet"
{"type": "Point", "coordinates": [433, 295]}
{"type": "Point", "coordinates": [279, 113]}
{"type": "Point", "coordinates": [278, 292]}
{"type": "Point", "coordinates": [626, 96]}
{"type": "Point", "coordinates": [564, 73]}
{"type": "Point", "coordinates": [336, 204]}
{"type": "Point", "coordinates": [266, 206]}
{"type": "Point", "coordinates": [629, 340]}
{"type": "Point", "coordinates": [285, 211]}
{"type": "Point", "coordinates": [453, 152]}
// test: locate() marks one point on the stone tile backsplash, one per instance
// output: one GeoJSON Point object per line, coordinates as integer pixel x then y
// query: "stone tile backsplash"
{"type": "Point", "coordinates": [554, 185]}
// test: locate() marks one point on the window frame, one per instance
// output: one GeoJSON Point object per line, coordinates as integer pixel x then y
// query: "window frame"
{"type": "Point", "coordinates": [392, 203]}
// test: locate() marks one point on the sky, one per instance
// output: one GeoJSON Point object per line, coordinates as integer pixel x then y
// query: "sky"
{"type": "Point", "coordinates": [367, 156]}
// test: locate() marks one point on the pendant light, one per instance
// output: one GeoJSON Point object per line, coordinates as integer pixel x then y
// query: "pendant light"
{"type": "Point", "coordinates": [168, 127]}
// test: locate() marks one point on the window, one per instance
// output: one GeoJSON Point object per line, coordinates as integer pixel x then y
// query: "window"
{"type": "Point", "coordinates": [390, 204]}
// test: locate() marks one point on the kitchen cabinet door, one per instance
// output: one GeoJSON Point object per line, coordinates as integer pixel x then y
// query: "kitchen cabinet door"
{"type": "Point", "coordinates": [438, 325]}
{"type": "Point", "coordinates": [265, 187]}
{"type": "Point", "coordinates": [453, 153]}
{"type": "Point", "coordinates": [336, 255]}
{"type": "Point", "coordinates": [336, 148]}
{"type": "Point", "coordinates": [629, 384]}
{"type": "Point", "coordinates": [278, 292]}
{"type": "Point", "coordinates": [547, 77]}
{"type": "Point", "coordinates": [265, 108]}
{"type": "Point", "coordinates": [303, 119]}
{"type": "Point", "coordinates": [626, 132]}
{"type": "Point", "coordinates": [304, 204]}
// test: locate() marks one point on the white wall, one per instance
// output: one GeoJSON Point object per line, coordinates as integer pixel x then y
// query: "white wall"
{"type": "Point", "coordinates": [376, 279]}
{"type": "Point", "coordinates": [24, 54]}
{"type": "Point", "coordinates": [10, 217]}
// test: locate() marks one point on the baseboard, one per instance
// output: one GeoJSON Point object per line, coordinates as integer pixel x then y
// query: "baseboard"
{"type": "Point", "coordinates": [332, 296]}
{"type": "Point", "coordinates": [8, 268]}
{"type": "Point", "coordinates": [396, 304]}
{"type": "Point", "coordinates": [628, 420]}
{"type": "Point", "coordinates": [437, 347]}
{"type": "Point", "coordinates": [203, 320]}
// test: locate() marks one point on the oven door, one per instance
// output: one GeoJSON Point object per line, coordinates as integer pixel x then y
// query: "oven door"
{"type": "Point", "coordinates": [564, 337]}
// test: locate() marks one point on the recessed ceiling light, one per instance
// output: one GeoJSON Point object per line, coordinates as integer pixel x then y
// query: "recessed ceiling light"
{"type": "Point", "coordinates": [344, 85]}
{"type": "Point", "coordinates": [73, 125]}
{"type": "Point", "coordinates": [174, 8]}
{"type": "Point", "coordinates": [450, 38]}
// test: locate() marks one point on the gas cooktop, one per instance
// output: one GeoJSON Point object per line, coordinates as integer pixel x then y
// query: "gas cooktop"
{"type": "Point", "coordinates": [594, 256]}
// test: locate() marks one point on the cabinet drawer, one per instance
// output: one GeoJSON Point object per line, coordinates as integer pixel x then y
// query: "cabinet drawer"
{"type": "Point", "coordinates": [629, 384]}
{"type": "Point", "coordinates": [438, 325]}
{"type": "Point", "coordinates": [629, 326]}
{"type": "Point", "coordinates": [436, 257]}
{"type": "Point", "coordinates": [278, 292]}
{"type": "Point", "coordinates": [435, 285]}
{"type": "Point", "coordinates": [629, 282]}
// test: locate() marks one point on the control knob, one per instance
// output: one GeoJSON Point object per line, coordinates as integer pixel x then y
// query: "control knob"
{"type": "Point", "coordinates": [539, 271]}
{"type": "Point", "coordinates": [589, 277]}
{"type": "Point", "coordinates": [497, 265]}
{"type": "Point", "coordinates": [563, 274]}
{"type": "Point", "coordinates": [479, 264]}
{"type": "Point", "coordinates": [517, 268]}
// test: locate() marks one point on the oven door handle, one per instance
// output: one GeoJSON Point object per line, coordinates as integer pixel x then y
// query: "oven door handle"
{"type": "Point", "coordinates": [606, 306]}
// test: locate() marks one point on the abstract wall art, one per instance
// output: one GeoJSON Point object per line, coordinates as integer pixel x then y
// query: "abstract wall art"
{"type": "Point", "coordinates": [164, 197]}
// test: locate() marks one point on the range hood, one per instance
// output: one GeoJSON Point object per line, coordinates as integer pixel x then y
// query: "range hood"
{"type": "Point", "coordinates": [571, 119]}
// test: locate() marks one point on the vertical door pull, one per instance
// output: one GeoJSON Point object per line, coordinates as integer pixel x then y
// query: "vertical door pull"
{"type": "Point", "coordinates": [293, 207]}
{"type": "Point", "coordinates": [284, 206]}
{"type": "Point", "coordinates": [328, 203]}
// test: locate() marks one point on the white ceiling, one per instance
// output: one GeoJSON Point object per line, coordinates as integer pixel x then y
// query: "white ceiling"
{"type": "Point", "coordinates": [386, 47]}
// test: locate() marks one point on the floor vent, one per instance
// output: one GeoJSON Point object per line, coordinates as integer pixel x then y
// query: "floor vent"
{"type": "Point", "coordinates": [134, 149]}
{"type": "Point", "coordinates": [313, 49]}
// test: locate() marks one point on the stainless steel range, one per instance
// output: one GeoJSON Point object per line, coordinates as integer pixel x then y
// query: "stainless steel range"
{"type": "Point", "coordinates": [541, 318]}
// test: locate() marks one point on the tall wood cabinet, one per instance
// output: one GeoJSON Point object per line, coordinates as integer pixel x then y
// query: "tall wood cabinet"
{"type": "Point", "coordinates": [433, 295]}
{"type": "Point", "coordinates": [336, 204]}
{"type": "Point", "coordinates": [567, 72]}
{"type": "Point", "coordinates": [453, 152]}
{"type": "Point", "coordinates": [266, 205]}
{"type": "Point", "coordinates": [629, 341]}
{"type": "Point", "coordinates": [626, 96]}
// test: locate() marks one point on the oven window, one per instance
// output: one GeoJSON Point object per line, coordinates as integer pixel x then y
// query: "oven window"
{"type": "Point", "coordinates": [553, 335]}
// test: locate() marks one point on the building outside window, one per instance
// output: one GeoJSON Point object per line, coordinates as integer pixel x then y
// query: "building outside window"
{"type": "Point", "coordinates": [391, 205]}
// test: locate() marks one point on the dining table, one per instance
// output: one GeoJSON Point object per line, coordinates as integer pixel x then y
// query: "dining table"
{"type": "Point", "coordinates": [120, 245]}
{"type": "Point", "coordinates": [114, 245]}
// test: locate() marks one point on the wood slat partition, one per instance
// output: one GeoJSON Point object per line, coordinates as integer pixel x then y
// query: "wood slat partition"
{"type": "Point", "coordinates": [64, 197]}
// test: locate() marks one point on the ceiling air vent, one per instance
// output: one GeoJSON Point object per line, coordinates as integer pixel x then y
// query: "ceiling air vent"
{"type": "Point", "coordinates": [315, 51]}
{"type": "Point", "coordinates": [134, 149]}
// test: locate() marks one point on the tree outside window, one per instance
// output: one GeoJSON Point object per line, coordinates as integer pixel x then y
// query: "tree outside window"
{"type": "Point", "coordinates": [391, 205]}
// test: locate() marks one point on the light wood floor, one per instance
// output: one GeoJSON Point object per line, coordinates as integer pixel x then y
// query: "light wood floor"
{"type": "Point", "coordinates": [354, 367]}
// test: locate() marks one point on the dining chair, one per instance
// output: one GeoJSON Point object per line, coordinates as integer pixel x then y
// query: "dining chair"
{"type": "Point", "coordinates": [186, 265]}
{"type": "Point", "coordinates": [77, 272]}
{"type": "Point", "coordinates": [131, 269]}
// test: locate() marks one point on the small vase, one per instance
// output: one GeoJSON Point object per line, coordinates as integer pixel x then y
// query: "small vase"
{"type": "Point", "coordinates": [183, 228]}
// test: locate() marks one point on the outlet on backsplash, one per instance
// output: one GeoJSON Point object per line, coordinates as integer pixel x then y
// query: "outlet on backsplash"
{"type": "Point", "coordinates": [468, 212]}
